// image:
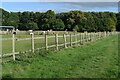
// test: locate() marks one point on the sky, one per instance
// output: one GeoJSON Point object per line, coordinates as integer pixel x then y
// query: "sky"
{"type": "Point", "coordinates": [60, 6]}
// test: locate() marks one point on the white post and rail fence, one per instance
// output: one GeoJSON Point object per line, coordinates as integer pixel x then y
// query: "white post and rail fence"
{"type": "Point", "coordinates": [74, 40]}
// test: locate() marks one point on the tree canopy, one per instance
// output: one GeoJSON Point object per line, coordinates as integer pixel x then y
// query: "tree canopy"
{"type": "Point", "coordinates": [72, 20]}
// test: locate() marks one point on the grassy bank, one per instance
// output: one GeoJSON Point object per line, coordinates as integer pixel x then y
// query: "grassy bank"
{"type": "Point", "coordinates": [96, 60]}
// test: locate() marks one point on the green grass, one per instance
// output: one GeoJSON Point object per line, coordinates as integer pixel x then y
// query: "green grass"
{"type": "Point", "coordinates": [94, 60]}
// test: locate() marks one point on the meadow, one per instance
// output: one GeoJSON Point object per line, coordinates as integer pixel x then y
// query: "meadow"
{"type": "Point", "coordinates": [97, 59]}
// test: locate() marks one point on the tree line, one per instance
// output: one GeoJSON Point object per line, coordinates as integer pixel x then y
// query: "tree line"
{"type": "Point", "coordinates": [72, 20]}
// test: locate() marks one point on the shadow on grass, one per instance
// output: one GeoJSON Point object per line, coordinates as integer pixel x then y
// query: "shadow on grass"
{"type": "Point", "coordinates": [7, 77]}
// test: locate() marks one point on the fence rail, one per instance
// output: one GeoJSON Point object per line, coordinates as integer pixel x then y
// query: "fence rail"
{"type": "Point", "coordinates": [74, 39]}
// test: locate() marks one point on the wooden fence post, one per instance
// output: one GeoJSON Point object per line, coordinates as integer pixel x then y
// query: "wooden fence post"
{"type": "Point", "coordinates": [32, 42]}
{"type": "Point", "coordinates": [56, 41]}
{"type": "Point", "coordinates": [88, 36]}
{"type": "Point", "coordinates": [98, 35]}
{"type": "Point", "coordinates": [46, 42]}
{"type": "Point", "coordinates": [85, 37]}
{"type": "Point", "coordinates": [105, 35]}
{"type": "Point", "coordinates": [76, 39]}
{"type": "Point", "coordinates": [83, 41]}
{"type": "Point", "coordinates": [95, 35]}
{"type": "Point", "coordinates": [71, 40]}
{"type": "Point", "coordinates": [86, 40]}
{"type": "Point", "coordinates": [13, 45]}
{"type": "Point", "coordinates": [92, 36]}
{"type": "Point", "coordinates": [81, 38]}
{"type": "Point", "coordinates": [64, 36]}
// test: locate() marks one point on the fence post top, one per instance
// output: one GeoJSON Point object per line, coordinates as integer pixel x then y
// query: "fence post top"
{"type": "Point", "coordinates": [31, 33]}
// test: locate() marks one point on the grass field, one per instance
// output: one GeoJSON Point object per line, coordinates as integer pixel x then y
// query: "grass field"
{"type": "Point", "coordinates": [94, 60]}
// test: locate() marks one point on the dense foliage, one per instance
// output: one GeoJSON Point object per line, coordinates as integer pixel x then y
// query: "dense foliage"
{"type": "Point", "coordinates": [73, 20]}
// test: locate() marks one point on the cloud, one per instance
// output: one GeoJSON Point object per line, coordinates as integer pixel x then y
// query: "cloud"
{"type": "Point", "coordinates": [61, 6]}
{"type": "Point", "coordinates": [90, 6]}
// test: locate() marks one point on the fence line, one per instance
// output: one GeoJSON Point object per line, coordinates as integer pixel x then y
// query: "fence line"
{"type": "Point", "coordinates": [80, 38]}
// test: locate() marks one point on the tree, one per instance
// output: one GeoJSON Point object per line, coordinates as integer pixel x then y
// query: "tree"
{"type": "Point", "coordinates": [13, 19]}
{"type": "Point", "coordinates": [110, 24]}
{"type": "Point", "coordinates": [76, 28]}
{"type": "Point", "coordinates": [78, 20]}
{"type": "Point", "coordinates": [32, 26]}
{"type": "Point", "coordinates": [48, 19]}
{"type": "Point", "coordinates": [58, 25]}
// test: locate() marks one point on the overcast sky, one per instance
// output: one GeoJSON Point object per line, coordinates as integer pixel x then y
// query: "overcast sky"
{"type": "Point", "coordinates": [60, 6]}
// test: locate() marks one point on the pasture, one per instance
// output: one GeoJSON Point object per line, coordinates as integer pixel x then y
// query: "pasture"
{"type": "Point", "coordinates": [93, 60]}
